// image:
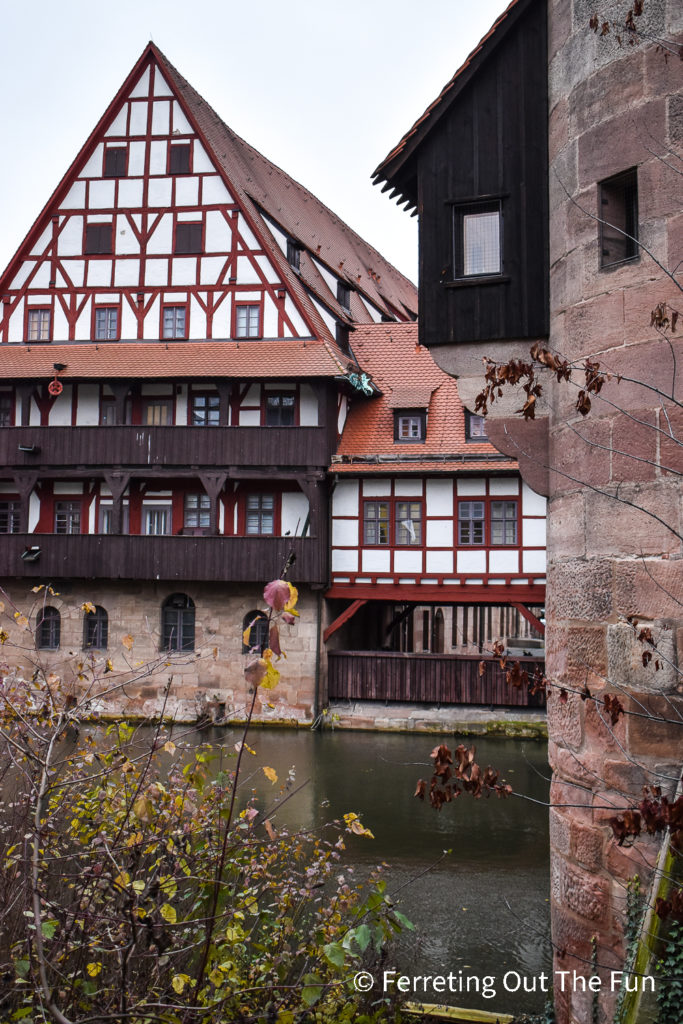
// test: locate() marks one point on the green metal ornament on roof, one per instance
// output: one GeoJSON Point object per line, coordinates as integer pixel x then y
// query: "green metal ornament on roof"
{"type": "Point", "coordinates": [361, 382]}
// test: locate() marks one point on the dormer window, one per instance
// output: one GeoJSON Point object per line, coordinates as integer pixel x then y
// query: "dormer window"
{"type": "Point", "coordinates": [293, 255]}
{"type": "Point", "coordinates": [410, 426]}
{"type": "Point", "coordinates": [475, 427]}
{"type": "Point", "coordinates": [344, 295]}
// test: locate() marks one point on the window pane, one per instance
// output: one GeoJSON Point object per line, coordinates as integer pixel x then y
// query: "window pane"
{"type": "Point", "coordinates": [9, 517]}
{"type": "Point", "coordinates": [408, 522]}
{"type": "Point", "coordinates": [481, 243]}
{"type": "Point", "coordinates": [174, 321]}
{"type": "Point", "coordinates": [157, 521]}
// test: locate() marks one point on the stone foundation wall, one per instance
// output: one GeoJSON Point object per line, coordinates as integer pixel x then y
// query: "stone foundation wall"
{"type": "Point", "coordinates": [208, 681]}
{"type": "Point", "coordinates": [615, 515]}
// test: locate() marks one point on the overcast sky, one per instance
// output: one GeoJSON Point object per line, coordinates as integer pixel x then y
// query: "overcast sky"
{"type": "Point", "coordinates": [323, 90]}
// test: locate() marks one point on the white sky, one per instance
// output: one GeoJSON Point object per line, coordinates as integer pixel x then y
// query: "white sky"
{"type": "Point", "coordinates": [323, 90]}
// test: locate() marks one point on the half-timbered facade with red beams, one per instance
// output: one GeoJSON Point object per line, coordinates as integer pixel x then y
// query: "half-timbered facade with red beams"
{"type": "Point", "coordinates": [438, 546]}
{"type": "Point", "coordinates": [174, 372]}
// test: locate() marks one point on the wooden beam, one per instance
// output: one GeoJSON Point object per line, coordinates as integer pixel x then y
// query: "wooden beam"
{"type": "Point", "coordinates": [457, 1014]}
{"type": "Point", "coordinates": [530, 617]}
{"type": "Point", "coordinates": [347, 614]}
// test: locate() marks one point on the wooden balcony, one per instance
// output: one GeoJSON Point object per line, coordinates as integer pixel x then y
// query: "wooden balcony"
{"type": "Point", "coordinates": [426, 679]}
{"type": "Point", "coordinates": [103, 556]}
{"type": "Point", "coordinates": [28, 447]}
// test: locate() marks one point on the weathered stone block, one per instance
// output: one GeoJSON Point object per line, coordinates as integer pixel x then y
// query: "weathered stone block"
{"type": "Point", "coordinates": [625, 658]}
{"type": "Point", "coordinates": [586, 845]}
{"type": "Point", "coordinates": [578, 588]}
{"type": "Point", "coordinates": [566, 527]}
{"type": "Point", "coordinates": [638, 520]}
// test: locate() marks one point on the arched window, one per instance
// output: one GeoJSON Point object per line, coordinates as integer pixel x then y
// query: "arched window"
{"type": "Point", "coordinates": [96, 629]}
{"type": "Point", "coordinates": [257, 623]}
{"type": "Point", "coordinates": [48, 629]}
{"type": "Point", "coordinates": [177, 623]}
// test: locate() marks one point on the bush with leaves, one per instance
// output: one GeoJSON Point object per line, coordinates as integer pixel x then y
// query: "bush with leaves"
{"type": "Point", "coordinates": [137, 886]}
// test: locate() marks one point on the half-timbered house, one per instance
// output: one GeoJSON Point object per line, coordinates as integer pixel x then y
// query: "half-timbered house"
{"type": "Point", "coordinates": [438, 547]}
{"type": "Point", "coordinates": [174, 372]}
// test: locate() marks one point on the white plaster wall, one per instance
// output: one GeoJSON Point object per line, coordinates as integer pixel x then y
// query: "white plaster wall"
{"type": "Point", "coordinates": [253, 395]}
{"type": "Point", "coordinates": [373, 488]}
{"type": "Point", "coordinates": [300, 328]}
{"type": "Point", "coordinates": [214, 191]}
{"type": "Point", "coordinates": [341, 415]}
{"type": "Point", "coordinates": [408, 488]}
{"type": "Point", "coordinates": [532, 504]}
{"type": "Point", "coordinates": [138, 118]}
{"type": "Point", "coordinates": [70, 241]}
{"type": "Point", "coordinates": [88, 407]}
{"type": "Point", "coordinates": [503, 485]}
{"type": "Point", "coordinates": [250, 418]}
{"type": "Point", "coordinates": [184, 272]}
{"type": "Point", "coordinates": [156, 272]}
{"type": "Point", "coordinates": [60, 412]}
{"type": "Point", "coordinates": [187, 191]}
{"type": "Point", "coordinates": [474, 488]}
{"type": "Point", "coordinates": [75, 197]}
{"type": "Point", "coordinates": [345, 498]}
{"type": "Point", "coordinates": [504, 561]}
{"type": "Point", "coordinates": [439, 533]}
{"type": "Point", "coordinates": [439, 497]}
{"type": "Point", "coordinates": [408, 561]}
{"type": "Point", "coordinates": [33, 512]}
{"type": "Point", "coordinates": [60, 325]}
{"type": "Point", "coordinates": [136, 158]}
{"type": "Point", "coordinates": [345, 532]}
{"type": "Point", "coordinates": [151, 323]}
{"type": "Point", "coordinates": [99, 273]}
{"type": "Point", "coordinates": [161, 240]}
{"type": "Point", "coordinates": [329, 320]}
{"type": "Point", "coordinates": [217, 234]}
{"type": "Point", "coordinates": [246, 272]}
{"type": "Point", "coordinates": [130, 194]}
{"type": "Point", "coordinates": [126, 242]}
{"type": "Point", "coordinates": [246, 234]}
{"type": "Point", "coordinates": [200, 161]}
{"type": "Point", "coordinates": [270, 273]}
{"type": "Point", "coordinates": [180, 122]}
{"type": "Point", "coordinates": [328, 277]}
{"type": "Point", "coordinates": [181, 405]}
{"type": "Point", "coordinates": [534, 532]}
{"type": "Point", "coordinates": [129, 325]}
{"type": "Point", "coordinates": [39, 248]}
{"type": "Point", "coordinates": [141, 87]}
{"type": "Point", "coordinates": [294, 513]}
{"type": "Point", "coordinates": [533, 561]}
{"type": "Point", "coordinates": [344, 561]}
{"type": "Point", "coordinates": [126, 274]}
{"type": "Point", "coordinates": [101, 195]}
{"type": "Point", "coordinates": [376, 561]}
{"type": "Point", "coordinates": [211, 267]}
{"type": "Point", "coordinates": [73, 487]}
{"type": "Point", "coordinates": [270, 317]}
{"type": "Point", "coordinates": [439, 562]}
{"type": "Point", "coordinates": [161, 117]}
{"type": "Point", "coordinates": [197, 316]}
{"type": "Point", "coordinates": [471, 561]}
{"type": "Point", "coordinates": [118, 125]}
{"type": "Point", "coordinates": [308, 406]}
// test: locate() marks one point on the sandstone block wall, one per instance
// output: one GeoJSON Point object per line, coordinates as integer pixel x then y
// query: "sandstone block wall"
{"type": "Point", "coordinates": [615, 514]}
{"type": "Point", "coordinates": [209, 680]}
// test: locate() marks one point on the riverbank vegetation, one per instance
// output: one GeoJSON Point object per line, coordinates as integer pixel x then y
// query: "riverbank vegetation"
{"type": "Point", "coordinates": [140, 879]}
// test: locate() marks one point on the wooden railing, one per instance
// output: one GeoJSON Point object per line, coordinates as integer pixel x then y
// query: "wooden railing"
{"type": "Point", "coordinates": [425, 679]}
{"type": "Point", "coordinates": [103, 556]}
{"type": "Point", "coordinates": [164, 446]}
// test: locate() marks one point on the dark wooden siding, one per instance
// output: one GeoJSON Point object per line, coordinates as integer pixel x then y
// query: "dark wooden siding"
{"type": "Point", "coordinates": [229, 559]}
{"type": "Point", "coordinates": [491, 142]}
{"type": "Point", "coordinates": [165, 446]}
{"type": "Point", "coordinates": [424, 679]}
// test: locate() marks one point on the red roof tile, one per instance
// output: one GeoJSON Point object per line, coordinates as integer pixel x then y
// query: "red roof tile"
{"type": "Point", "coordinates": [173, 359]}
{"type": "Point", "coordinates": [391, 354]}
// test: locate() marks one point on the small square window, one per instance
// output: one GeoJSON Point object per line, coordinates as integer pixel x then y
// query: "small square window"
{"type": "Point", "coordinates": [106, 323]}
{"type": "Point", "coordinates": [67, 517]}
{"type": "Point", "coordinates": [38, 325]}
{"type": "Point", "coordinates": [618, 213]}
{"type": "Point", "coordinates": [260, 514]}
{"type": "Point", "coordinates": [471, 522]}
{"type": "Point", "coordinates": [188, 237]}
{"type": "Point", "coordinates": [408, 516]}
{"type": "Point", "coordinates": [248, 321]}
{"type": "Point", "coordinates": [280, 409]}
{"type": "Point", "coordinates": [115, 159]}
{"type": "Point", "coordinates": [475, 427]}
{"type": "Point", "coordinates": [98, 239]}
{"type": "Point", "coordinates": [477, 239]}
{"type": "Point", "coordinates": [205, 410]}
{"type": "Point", "coordinates": [410, 426]}
{"type": "Point", "coordinates": [174, 322]}
{"type": "Point", "coordinates": [179, 158]}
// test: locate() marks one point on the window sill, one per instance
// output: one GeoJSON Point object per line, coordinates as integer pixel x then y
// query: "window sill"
{"type": "Point", "coordinates": [468, 282]}
{"type": "Point", "coordinates": [620, 263]}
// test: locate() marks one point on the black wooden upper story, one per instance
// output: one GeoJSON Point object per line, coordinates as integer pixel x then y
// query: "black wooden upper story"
{"type": "Point", "coordinates": [475, 166]}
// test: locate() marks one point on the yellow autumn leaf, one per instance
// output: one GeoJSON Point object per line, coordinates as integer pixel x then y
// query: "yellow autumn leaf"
{"type": "Point", "coordinates": [293, 598]}
{"type": "Point", "coordinates": [89, 607]}
{"type": "Point", "coordinates": [109, 666]}
{"type": "Point", "coordinates": [143, 809]}
{"type": "Point", "coordinates": [168, 913]}
{"type": "Point", "coordinates": [93, 969]}
{"type": "Point", "coordinates": [127, 641]}
{"type": "Point", "coordinates": [179, 981]}
{"type": "Point", "coordinates": [270, 774]}
{"type": "Point", "coordinates": [354, 823]}
{"type": "Point", "coordinates": [216, 977]}
{"type": "Point", "coordinates": [4, 636]}
{"type": "Point", "coordinates": [138, 887]}
{"type": "Point", "coordinates": [169, 747]}
{"type": "Point", "coordinates": [21, 619]}
{"type": "Point", "coordinates": [122, 880]}
{"type": "Point", "coordinates": [37, 590]}
{"type": "Point", "coordinates": [271, 678]}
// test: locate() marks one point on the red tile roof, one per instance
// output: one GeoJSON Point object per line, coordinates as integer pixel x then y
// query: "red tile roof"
{"type": "Point", "coordinates": [129, 359]}
{"type": "Point", "coordinates": [392, 355]}
{"type": "Point", "coordinates": [413, 137]}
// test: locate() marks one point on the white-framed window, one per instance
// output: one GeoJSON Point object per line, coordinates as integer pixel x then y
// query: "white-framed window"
{"type": "Point", "coordinates": [174, 322]}
{"type": "Point", "coordinates": [197, 510]}
{"type": "Point", "coordinates": [157, 520]}
{"type": "Point", "coordinates": [106, 323]}
{"type": "Point", "coordinates": [38, 325]}
{"type": "Point", "coordinates": [67, 517]}
{"type": "Point", "coordinates": [248, 320]}
{"type": "Point", "coordinates": [260, 514]}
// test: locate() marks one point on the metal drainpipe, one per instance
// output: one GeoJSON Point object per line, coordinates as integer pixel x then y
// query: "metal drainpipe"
{"type": "Point", "coordinates": [316, 700]}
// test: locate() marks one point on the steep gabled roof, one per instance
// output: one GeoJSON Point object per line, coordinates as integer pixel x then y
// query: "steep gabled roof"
{"type": "Point", "coordinates": [396, 169]}
{"type": "Point", "coordinates": [391, 353]}
{"type": "Point", "coordinates": [298, 212]}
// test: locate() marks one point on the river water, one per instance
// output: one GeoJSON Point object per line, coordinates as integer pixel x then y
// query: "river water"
{"type": "Point", "coordinates": [482, 911]}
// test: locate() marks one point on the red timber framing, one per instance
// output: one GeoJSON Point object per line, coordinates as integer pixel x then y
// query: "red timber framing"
{"type": "Point", "coordinates": [457, 593]}
{"type": "Point", "coordinates": [530, 617]}
{"type": "Point", "coordinates": [347, 614]}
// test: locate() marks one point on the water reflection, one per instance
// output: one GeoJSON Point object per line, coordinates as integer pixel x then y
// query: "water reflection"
{"type": "Point", "coordinates": [483, 910]}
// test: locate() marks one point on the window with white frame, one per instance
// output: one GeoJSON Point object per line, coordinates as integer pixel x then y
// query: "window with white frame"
{"type": "Point", "coordinates": [10, 516]}
{"type": "Point", "coordinates": [157, 520]}
{"type": "Point", "coordinates": [205, 410]}
{"type": "Point", "coordinates": [38, 325]}
{"type": "Point", "coordinates": [174, 322]}
{"type": "Point", "coordinates": [106, 323]}
{"type": "Point", "coordinates": [197, 510]}
{"type": "Point", "coordinates": [410, 426]}
{"type": "Point", "coordinates": [67, 517]}
{"type": "Point", "coordinates": [260, 514]}
{"type": "Point", "coordinates": [248, 320]}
